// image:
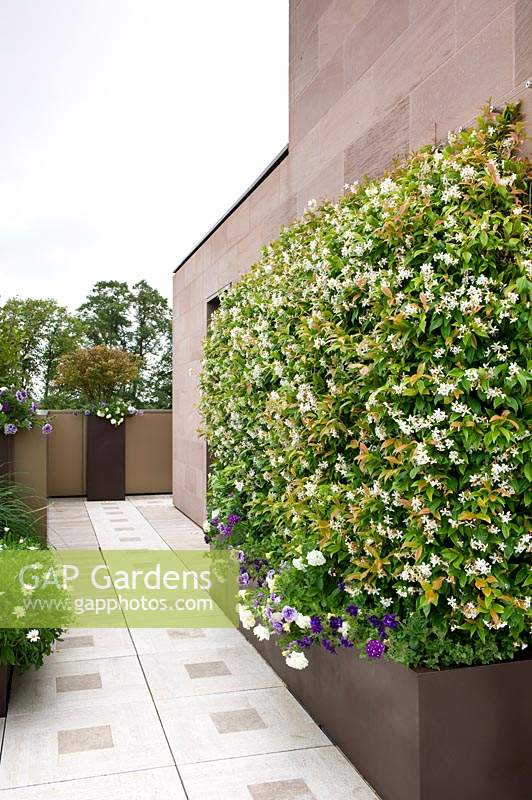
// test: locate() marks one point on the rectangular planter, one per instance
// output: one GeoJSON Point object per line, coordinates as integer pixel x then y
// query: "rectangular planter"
{"type": "Point", "coordinates": [455, 734]}
{"type": "Point", "coordinates": [6, 673]}
{"type": "Point", "coordinates": [106, 459]}
{"type": "Point", "coordinates": [5, 455]}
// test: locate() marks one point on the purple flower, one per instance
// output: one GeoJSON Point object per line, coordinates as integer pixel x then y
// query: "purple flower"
{"type": "Point", "coordinates": [345, 642]}
{"type": "Point", "coordinates": [5, 407]}
{"type": "Point", "coordinates": [244, 579]}
{"type": "Point", "coordinates": [10, 429]}
{"type": "Point", "coordinates": [47, 428]}
{"type": "Point", "coordinates": [289, 613]}
{"type": "Point", "coordinates": [21, 395]}
{"type": "Point", "coordinates": [232, 519]}
{"type": "Point", "coordinates": [375, 648]}
{"type": "Point", "coordinates": [336, 623]}
{"type": "Point", "coordinates": [241, 556]}
{"type": "Point", "coordinates": [215, 521]}
{"type": "Point", "coordinates": [352, 610]}
{"type": "Point", "coordinates": [87, 413]}
{"type": "Point", "coordinates": [326, 644]}
{"type": "Point", "coordinates": [33, 407]}
{"type": "Point", "coordinates": [315, 625]}
{"type": "Point", "coordinates": [341, 585]}
{"type": "Point", "coordinates": [306, 641]}
{"type": "Point", "coordinates": [390, 621]}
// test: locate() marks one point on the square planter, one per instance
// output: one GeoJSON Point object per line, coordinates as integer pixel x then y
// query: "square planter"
{"type": "Point", "coordinates": [454, 734]}
{"type": "Point", "coordinates": [6, 673]}
{"type": "Point", "coordinates": [106, 460]}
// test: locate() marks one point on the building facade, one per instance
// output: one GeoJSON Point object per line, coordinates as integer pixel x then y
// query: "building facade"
{"type": "Point", "coordinates": [369, 80]}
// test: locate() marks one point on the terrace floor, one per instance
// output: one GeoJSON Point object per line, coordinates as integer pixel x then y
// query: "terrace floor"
{"type": "Point", "coordinates": [133, 714]}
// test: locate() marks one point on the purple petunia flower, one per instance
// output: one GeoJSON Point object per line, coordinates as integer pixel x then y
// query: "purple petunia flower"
{"type": "Point", "coordinates": [289, 613]}
{"type": "Point", "coordinates": [10, 429]}
{"type": "Point", "coordinates": [375, 648]}
{"type": "Point", "coordinates": [244, 579]}
{"type": "Point", "coordinates": [326, 644]}
{"type": "Point", "coordinates": [390, 621]}
{"type": "Point", "coordinates": [33, 406]}
{"type": "Point", "coordinates": [5, 406]}
{"type": "Point", "coordinates": [315, 625]}
{"type": "Point", "coordinates": [21, 395]}
{"type": "Point", "coordinates": [241, 556]}
{"type": "Point", "coordinates": [336, 623]}
{"type": "Point", "coordinates": [47, 428]}
{"type": "Point", "coordinates": [345, 642]}
{"type": "Point", "coordinates": [341, 585]}
{"type": "Point", "coordinates": [232, 519]}
{"type": "Point", "coordinates": [305, 641]}
{"type": "Point", "coordinates": [352, 610]}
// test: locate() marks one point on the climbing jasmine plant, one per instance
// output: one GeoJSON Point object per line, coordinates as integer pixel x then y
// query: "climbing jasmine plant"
{"type": "Point", "coordinates": [365, 395]}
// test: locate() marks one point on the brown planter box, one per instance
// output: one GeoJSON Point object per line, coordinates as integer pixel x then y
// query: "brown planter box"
{"type": "Point", "coordinates": [6, 673]}
{"type": "Point", "coordinates": [455, 734]}
{"type": "Point", "coordinates": [5, 455]}
{"type": "Point", "coordinates": [106, 460]}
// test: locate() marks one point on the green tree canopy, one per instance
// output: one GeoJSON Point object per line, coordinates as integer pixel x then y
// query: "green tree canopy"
{"type": "Point", "coordinates": [33, 335]}
{"type": "Point", "coordinates": [139, 320]}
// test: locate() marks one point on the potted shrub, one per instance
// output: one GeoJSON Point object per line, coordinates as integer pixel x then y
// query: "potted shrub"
{"type": "Point", "coordinates": [100, 376]}
{"type": "Point", "coordinates": [364, 395]}
{"type": "Point", "coordinates": [18, 412]}
{"type": "Point", "coordinates": [20, 647]}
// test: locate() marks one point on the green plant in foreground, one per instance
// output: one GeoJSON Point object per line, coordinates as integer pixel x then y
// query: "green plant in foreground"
{"type": "Point", "coordinates": [23, 647]}
{"type": "Point", "coordinates": [366, 398]}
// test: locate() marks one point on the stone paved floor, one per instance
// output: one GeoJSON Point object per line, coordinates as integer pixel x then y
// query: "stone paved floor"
{"type": "Point", "coordinates": [149, 713]}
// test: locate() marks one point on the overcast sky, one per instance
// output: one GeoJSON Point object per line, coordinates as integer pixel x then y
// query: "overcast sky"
{"type": "Point", "coordinates": [127, 127]}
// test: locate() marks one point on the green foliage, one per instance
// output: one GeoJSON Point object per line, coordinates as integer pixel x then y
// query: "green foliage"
{"type": "Point", "coordinates": [139, 320]}
{"type": "Point", "coordinates": [18, 412]}
{"type": "Point", "coordinates": [366, 394]}
{"type": "Point", "coordinates": [17, 532]}
{"type": "Point", "coordinates": [98, 374]}
{"type": "Point", "coordinates": [35, 334]}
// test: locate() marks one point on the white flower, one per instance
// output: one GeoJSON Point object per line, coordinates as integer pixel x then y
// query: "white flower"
{"type": "Point", "coordinates": [206, 526]}
{"type": "Point", "coordinates": [296, 660]}
{"type": "Point", "coordinates": [239, 485]}
{"type": "Point", "coordinates": [302, 622]}
{"type": "Point", "coordinates": [19, 612]}
{"type": "Point", "coordinates": [298, 563]}
{"type": "Point", "coordinates": [262, 633]}
{"type": "Point", "coordinates": [315, 558]}
{"type": "Point", "coordinates": [33, 635]}
{"type": "Point", "coordinates": [246, 617]}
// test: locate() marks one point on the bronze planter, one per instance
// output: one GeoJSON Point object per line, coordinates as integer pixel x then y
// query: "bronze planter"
{"type": "Point", "coordinates": [106, 460]}
{"type": "Point", "coordinates": [6, 673]}
{"type": "Point", "coordinates": [5, 455]}
{"type": "Point", "coordinates": [461, 733]}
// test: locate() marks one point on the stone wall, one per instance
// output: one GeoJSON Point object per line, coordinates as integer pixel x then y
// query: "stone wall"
{"type": "Point", "coordinates": [369, 80]}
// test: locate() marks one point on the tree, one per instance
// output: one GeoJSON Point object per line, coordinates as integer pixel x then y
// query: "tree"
{"type": "Point", "coordinates": [139, 320]}
{"type": "Point", "coordinates": [34, 334]}
{"type": "Point", "coordinates": [97, 374]}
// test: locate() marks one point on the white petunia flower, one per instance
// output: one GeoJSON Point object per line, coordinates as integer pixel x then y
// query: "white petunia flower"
{"type": "Point", "coordinates": [262, 633]}
{"type": "Point", "coordinates": [296, 660]}
{"type": "Point", "coordinates": [315, 558]}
